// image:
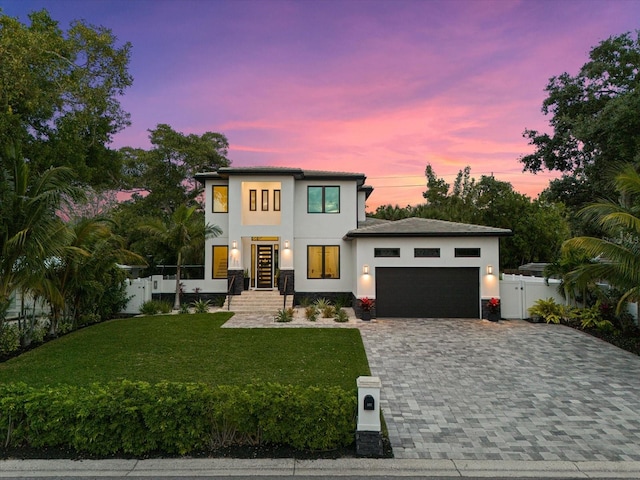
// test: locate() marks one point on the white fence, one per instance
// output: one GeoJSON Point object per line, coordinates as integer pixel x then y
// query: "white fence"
{"type": "Point", "coordinates": [518, 293]}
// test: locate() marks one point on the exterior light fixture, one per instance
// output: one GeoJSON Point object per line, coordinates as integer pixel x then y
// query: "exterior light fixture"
{"type": "Point", "coordinates": [286, 244]}
{"type": "Point", "coordinates": [365, 269]}
{"type": "Point", "coordinates": [489, 269]}
{"type": "Point", "coordinates": [234, 245]}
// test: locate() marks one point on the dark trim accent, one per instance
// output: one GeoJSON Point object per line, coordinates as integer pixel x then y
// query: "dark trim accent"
{"type": "Point", "coordinates": [426, 234]}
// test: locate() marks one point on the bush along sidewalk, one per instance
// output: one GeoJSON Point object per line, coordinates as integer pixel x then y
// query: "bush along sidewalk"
{"type": "Point", "coordinates": [136, 418]}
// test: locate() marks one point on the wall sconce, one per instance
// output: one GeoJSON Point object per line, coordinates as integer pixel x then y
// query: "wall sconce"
{"type": "Point", "coordinates": [489, 269]}
{"type": "Point", "coordinates": [365, 269]}
{"type": "Point", "coordinates": [234, 245]}
{"type": "Point", "coordinates": [286, 244]}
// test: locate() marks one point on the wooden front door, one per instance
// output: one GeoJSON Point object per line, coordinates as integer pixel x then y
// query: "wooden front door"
{"type": "Point", "coordinates": [264, 273]}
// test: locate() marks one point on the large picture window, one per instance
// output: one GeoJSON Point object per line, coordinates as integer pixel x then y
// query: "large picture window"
{"type": "Point", "coordinates": [323, 261]}
{"type": "Point", "coordinates": [323, 199]}
{"type": "Point", "coordinates": [220, 194]}
{"type": "Point", "coordinates": [220, 261]}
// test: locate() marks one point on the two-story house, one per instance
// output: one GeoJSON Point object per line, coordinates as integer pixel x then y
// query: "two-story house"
{"type": "Point", "coordinates": [306, 232]}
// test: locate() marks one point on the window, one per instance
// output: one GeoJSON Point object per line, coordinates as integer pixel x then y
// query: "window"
{"type": "Point", "coordinates": [323, 199]}
{"type": "Point", "coordinates": [386, 252]}
{"type": "Point", "coordinates": [252, 200]}
{"type": "Point", "coordinates": [220, 261]}
{"type": "Point", "coordinates": [220, 194]}
{"type": "Point", "coordinates": [323, 261]}
{"type": "Point", "coordinates": [426, 252]}
{"type": "Point", "coordinates": [265, 200]}
{"type": "Point", "coordinates": [276, 200]}
{"type": "Point", "coordinates": [467, 252]}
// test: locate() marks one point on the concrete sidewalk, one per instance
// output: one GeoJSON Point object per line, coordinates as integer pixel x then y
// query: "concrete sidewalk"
{"type": "Point", "coordinates": [219, 467]}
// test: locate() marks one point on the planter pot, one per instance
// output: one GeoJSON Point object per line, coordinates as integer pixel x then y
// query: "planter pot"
{"type": "Point", "coordinates": [366, 316]}
{"type": "Point", "coordinates": [246, 283]}
{"type": "Point", "coordinates": [493, 317]}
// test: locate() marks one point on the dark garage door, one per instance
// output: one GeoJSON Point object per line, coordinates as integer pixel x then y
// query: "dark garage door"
{"type": "Point", "coordinates": [428, 292]}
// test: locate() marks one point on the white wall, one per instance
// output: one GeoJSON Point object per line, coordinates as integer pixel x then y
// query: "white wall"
{"type": "Point", "coordinates": [489, 255]}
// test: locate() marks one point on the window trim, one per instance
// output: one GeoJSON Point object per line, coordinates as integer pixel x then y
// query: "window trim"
{"type": "Point", "coordinates": [213, 198]}
{"type": "Point", "coordinates": [323, 274]}
{"type": "Point", "coordinates": [323, 201]}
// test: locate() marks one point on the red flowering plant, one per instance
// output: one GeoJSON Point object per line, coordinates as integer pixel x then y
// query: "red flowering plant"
{"type": "Point", "coordinates": [493, 305]}
{"type": "Point", "coordinates": [366, 304]}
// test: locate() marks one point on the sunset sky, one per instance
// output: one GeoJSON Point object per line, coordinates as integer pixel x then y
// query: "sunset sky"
{"type": "Point", "coordinates": [379, 87]}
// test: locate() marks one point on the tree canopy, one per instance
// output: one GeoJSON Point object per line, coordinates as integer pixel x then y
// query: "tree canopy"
{"type": "Point", "coordinates": [164, 176]}
{"type": "Point", "coordinates": [595, 122]}
{"type": "Point", "coordinates": [539, 227]}
{"type": "Point", "coordinates": [59, 95]}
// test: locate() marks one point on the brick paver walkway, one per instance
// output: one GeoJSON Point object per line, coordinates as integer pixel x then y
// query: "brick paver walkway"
{"type": "Point", "coordinates": [477, 390]}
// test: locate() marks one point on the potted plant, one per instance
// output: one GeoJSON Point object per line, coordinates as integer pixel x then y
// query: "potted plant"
{"type": "Point", "coordinates": [493, 310]}
{"type": "Point", "coordinates": [366, 305]}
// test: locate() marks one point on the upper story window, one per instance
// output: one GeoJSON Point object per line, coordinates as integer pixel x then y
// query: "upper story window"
{"type": "Point", "coordinates": [220, 195]}
{"type": "Point", "coordinates": [323, 199]}
{"type": "Point", "coordinates": [467, 252]}
{"type": "Point", "coordinates": [276, 200]}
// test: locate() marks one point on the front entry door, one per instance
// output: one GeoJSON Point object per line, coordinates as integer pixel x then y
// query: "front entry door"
{"type": "Point", "coordinates": [264, 277]}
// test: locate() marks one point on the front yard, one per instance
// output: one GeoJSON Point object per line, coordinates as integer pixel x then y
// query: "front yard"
{"type": "Point", "coordinates": [193, 348]}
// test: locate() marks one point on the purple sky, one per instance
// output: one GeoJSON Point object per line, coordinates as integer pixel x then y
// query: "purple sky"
{"type": "Point", "coordinates": [379, 87]}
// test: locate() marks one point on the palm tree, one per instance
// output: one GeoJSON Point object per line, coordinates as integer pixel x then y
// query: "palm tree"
{"type": "Point", "coordinates": [30, 230]}
{"type": "Point", "coordinates": [618, 253]}
{"type": "Point", "coordinates": [183, 233]}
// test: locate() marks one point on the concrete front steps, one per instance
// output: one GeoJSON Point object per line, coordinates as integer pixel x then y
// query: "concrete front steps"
{"type": "Point", "coordinates": [257, 301]}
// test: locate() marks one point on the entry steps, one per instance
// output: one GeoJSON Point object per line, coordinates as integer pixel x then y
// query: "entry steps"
{"type": "Point", "coordinates": [257, 301]}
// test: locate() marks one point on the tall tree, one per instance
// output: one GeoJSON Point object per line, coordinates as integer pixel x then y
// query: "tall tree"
{"type": "Point", "coordinates": [595, 122]}
{"type": "Point", "coordinates": [59, 95]}
{"type": "Point", "coordinates": [618, 253]}
{"type": "Point", "coordinates": [30, 231]}
{"type": "Point", "coordinates": [183, 233]}
{"type": "Point", "coordinates": [164, 177]}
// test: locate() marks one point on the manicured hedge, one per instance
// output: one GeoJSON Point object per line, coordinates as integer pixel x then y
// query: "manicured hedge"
{"type": "Point", "coordinates": [177, 418]}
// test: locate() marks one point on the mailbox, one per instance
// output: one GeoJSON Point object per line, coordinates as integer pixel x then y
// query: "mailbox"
{"type": "Point", "coordinates": [369, 404]}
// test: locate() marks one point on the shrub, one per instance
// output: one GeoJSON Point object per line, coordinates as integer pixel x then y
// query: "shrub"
{"type": "Point", "coordinates": [341, 316]}
{"type": "Point", "coordinates": [201, 306]}
{"type": "Point", "coordinates": [150, 307]}
{"type": "Point", "coordinates": [548, 310]}
{"type": "Point", "coordinates": [311, 313]}
{"type": "Point", "coordinates": [9, 339]}
{"type": "Point", "coordinates": [592, 318]}
{"type": "Point", "coordinates": [284, 316]}
{"type": "Point", "coordinates": [165, 306]}
{"type": "Point", "coordinates": [184, 309]}
{"type": "Point", "coordinates": [134, 418]}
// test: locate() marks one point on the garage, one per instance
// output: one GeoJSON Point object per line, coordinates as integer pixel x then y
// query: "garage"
{"type": "Point", "coordinates": [428, 292]}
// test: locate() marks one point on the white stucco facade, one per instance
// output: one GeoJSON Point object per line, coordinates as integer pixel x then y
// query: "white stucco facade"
{"type": "Point", "coordinates": [311, 226]}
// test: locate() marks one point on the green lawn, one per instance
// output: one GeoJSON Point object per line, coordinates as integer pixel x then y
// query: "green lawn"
{"type": "Point", "coordinates": [193, 348]}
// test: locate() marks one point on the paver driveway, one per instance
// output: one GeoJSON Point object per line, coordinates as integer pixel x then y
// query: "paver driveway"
{"type": "Point", "coordinates": [477, 390]}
